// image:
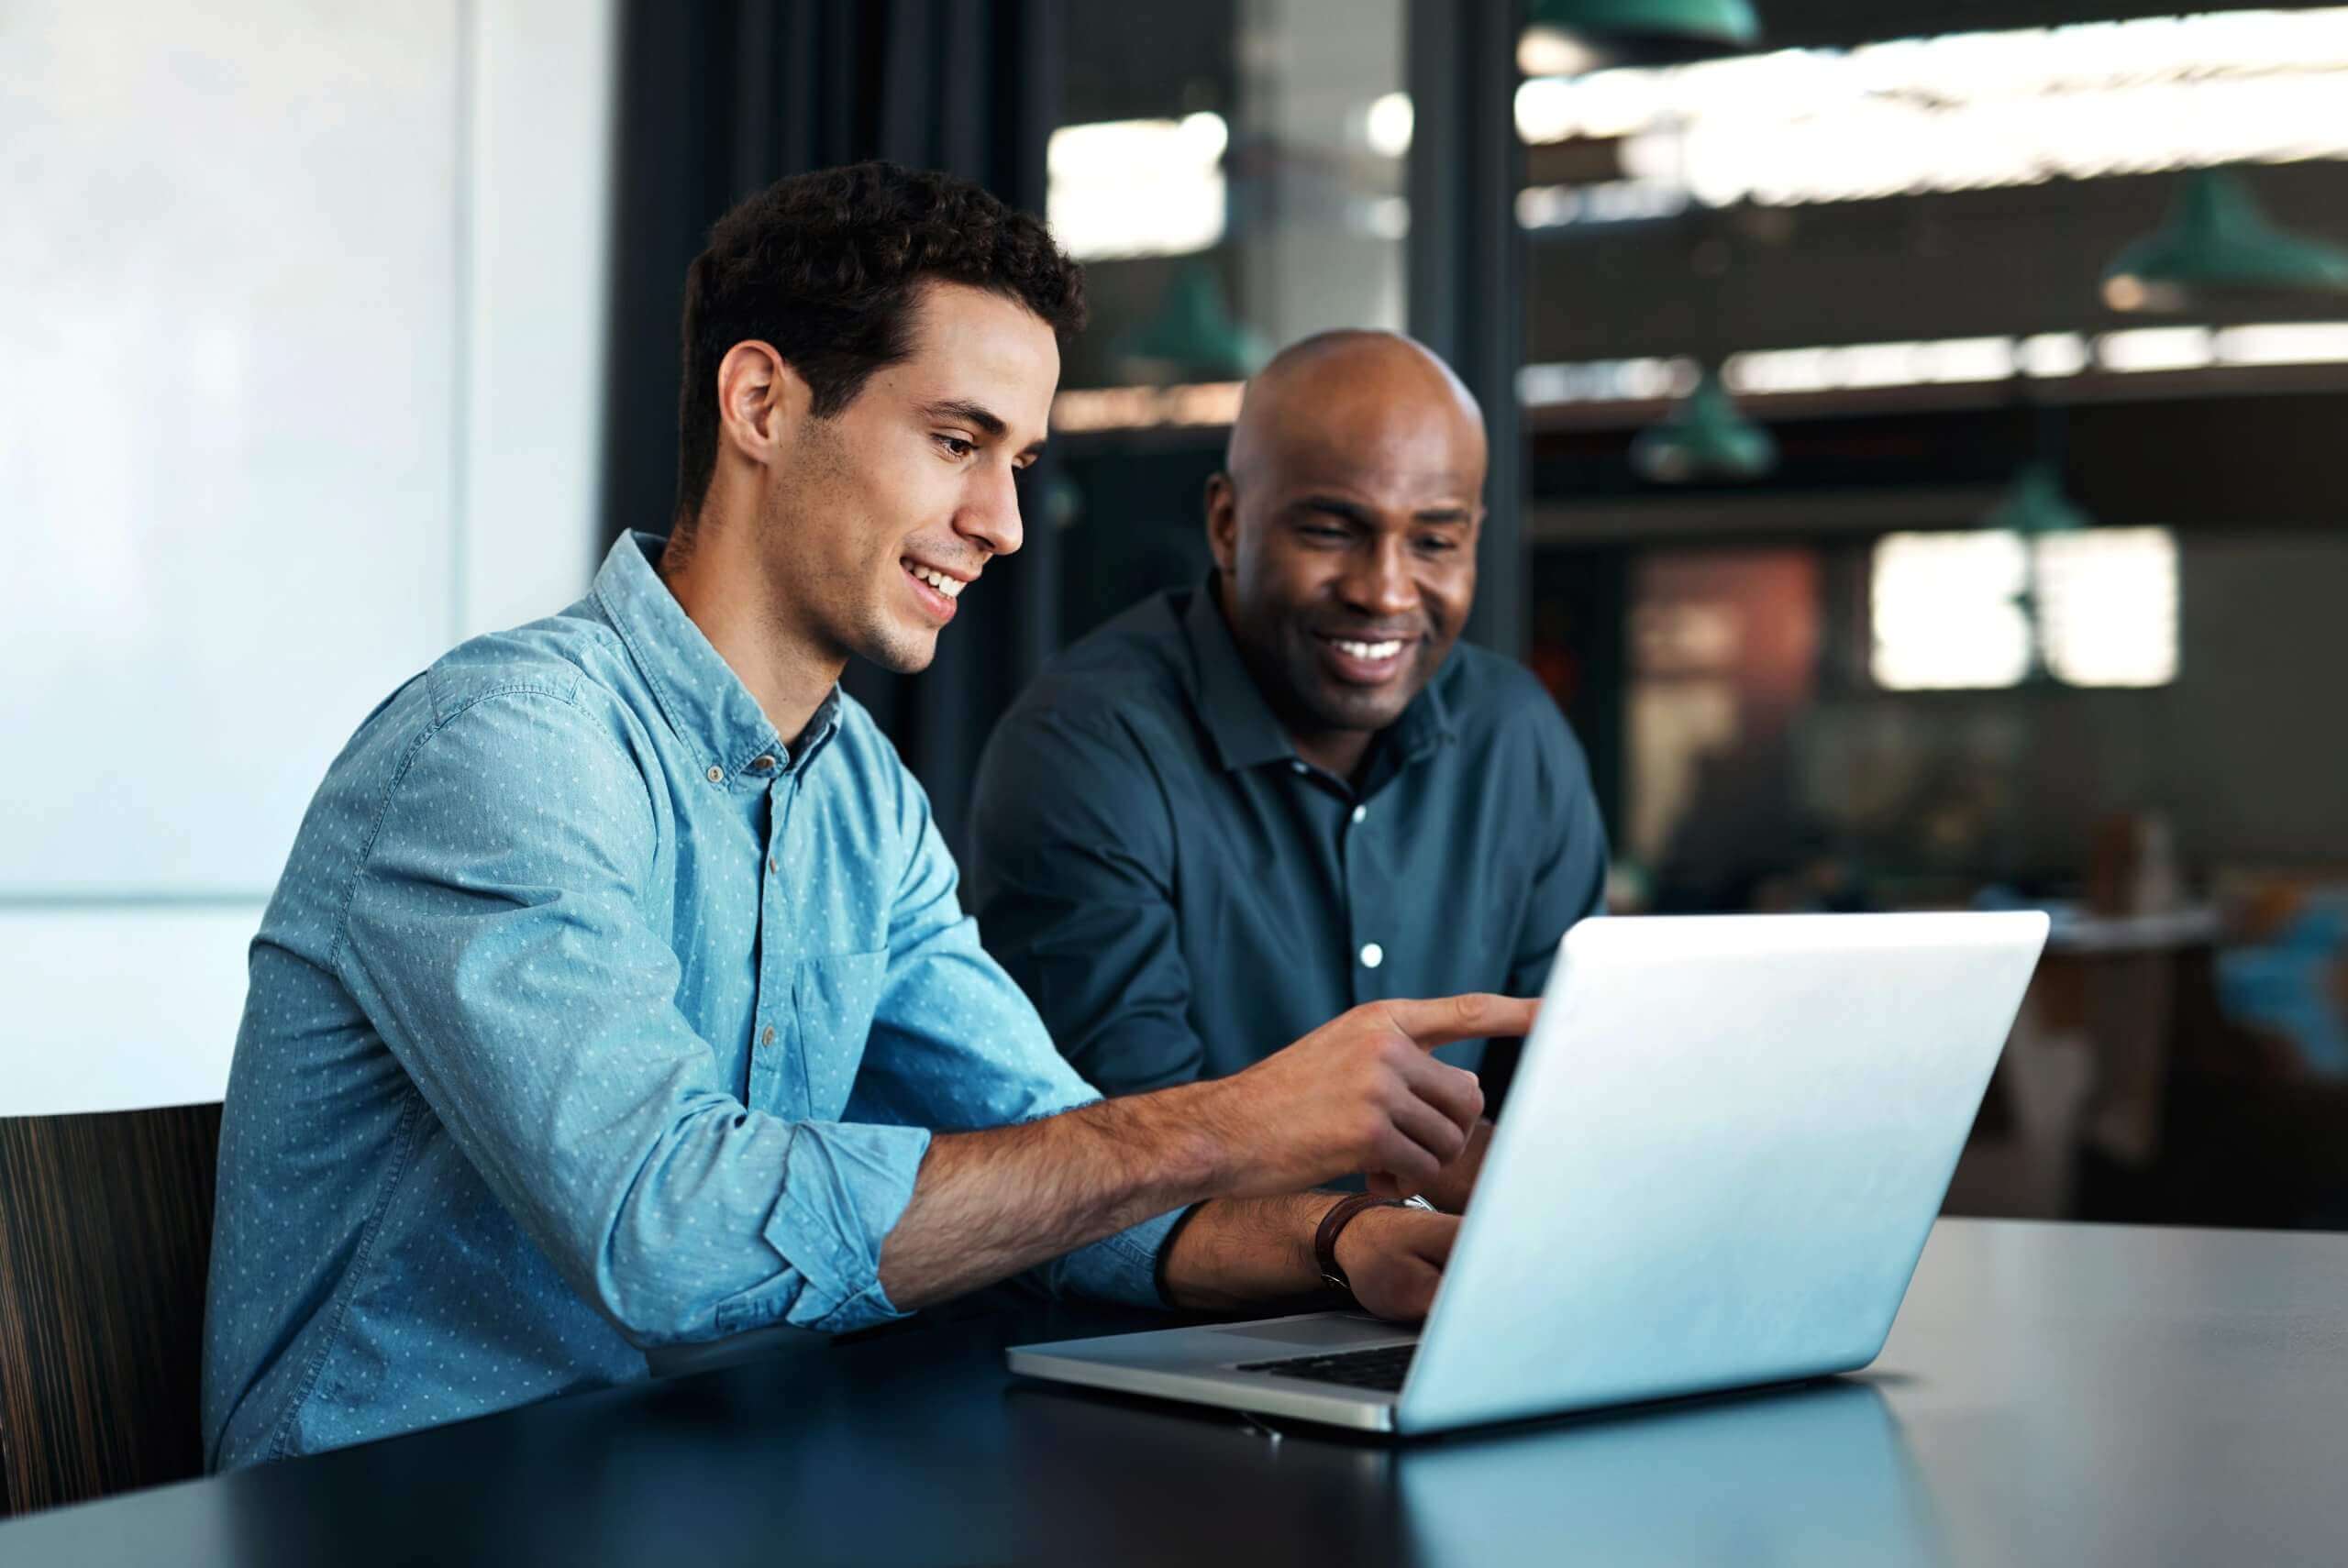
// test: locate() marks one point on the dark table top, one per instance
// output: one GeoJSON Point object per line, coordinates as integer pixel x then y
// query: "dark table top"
{"type": "Point", "coordinates": [2052, 1393]}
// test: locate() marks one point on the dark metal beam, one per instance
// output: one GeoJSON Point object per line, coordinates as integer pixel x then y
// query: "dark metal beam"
{"type": "Point", "coordinates": [1466, 261]}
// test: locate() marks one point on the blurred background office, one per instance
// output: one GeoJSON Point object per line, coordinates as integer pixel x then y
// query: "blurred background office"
{"type": "Point", "coordinates": [1916, 467]}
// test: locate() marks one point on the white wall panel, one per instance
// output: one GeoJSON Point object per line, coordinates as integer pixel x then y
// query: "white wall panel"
{"type": "Point", "coordinates": [539, 243]}
{"type": "Point", "coordinates": [300, 315]}
{"type": "Point", "coordinates": [227, 314]}
{"type": "Point", "coordinates": [119, 1009]}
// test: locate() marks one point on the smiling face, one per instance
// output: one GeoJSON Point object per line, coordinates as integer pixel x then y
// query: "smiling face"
{"type": "Point", "coordinates": [886, 513]}
{"type": "Point", "coordinates": [1344, 533]}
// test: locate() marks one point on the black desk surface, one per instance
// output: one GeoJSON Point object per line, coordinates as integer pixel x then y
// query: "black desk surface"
{"type": "Point", "coordinates": [2052, 1393]}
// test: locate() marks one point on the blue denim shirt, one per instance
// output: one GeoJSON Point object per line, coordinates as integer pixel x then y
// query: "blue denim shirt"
{"type": "Point", "coordinates": [589, 1018]}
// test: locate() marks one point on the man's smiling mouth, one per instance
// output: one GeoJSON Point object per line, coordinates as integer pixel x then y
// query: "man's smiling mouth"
{"type": "Point", "coordinates": [949, 586]}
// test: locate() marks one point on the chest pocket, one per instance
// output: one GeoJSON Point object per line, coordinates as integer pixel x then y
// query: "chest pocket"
{"type": "Point", "coordinates": [831, 1001]}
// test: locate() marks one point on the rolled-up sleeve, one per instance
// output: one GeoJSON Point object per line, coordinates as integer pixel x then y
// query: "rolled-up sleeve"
{"type": "Point", "coordinates": [1073, 878]}
{"type": "Point", "coordinates": [958, 1046]}
{"type": "Point", "coordinates": [494, 937]}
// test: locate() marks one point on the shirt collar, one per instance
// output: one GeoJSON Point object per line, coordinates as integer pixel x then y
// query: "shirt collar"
{"type": "Point", "coordinates": [1245, 732]}
{"type": "Point", "coordinates": [704, 700]}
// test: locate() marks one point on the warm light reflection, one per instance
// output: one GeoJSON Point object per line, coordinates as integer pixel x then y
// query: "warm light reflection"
{"type": "Point", "coordinates": [1959, 112]}
{"type": "Point", "coordinates": [1605, 380]}
{"type": "Point", "coordinates": [1123, 188]}
{"type": "Point", "coordinates": [1388, 124]}
{"type": "Point", "coordinates": [1960, 610]}
{"type": "Point", "coordinates": [1945, 362]}
{"type": "Point", "coordinates": [2107, 606]}
{"type": "Point", "coordinates": [2156, 348]}
{"type": "Point", "coordinates": [1947, 612]}
{"type": "Point", "coordinates": [1142, 408]}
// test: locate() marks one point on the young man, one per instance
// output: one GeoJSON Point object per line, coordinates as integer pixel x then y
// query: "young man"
{"type": "Point", "coordinates": [1233, 809]}
{"type": "Point", "coordinates": [617, 995]}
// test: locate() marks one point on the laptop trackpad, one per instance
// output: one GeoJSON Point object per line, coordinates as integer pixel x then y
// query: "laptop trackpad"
{"type": "Point", "coordinates": [1337, 1331]}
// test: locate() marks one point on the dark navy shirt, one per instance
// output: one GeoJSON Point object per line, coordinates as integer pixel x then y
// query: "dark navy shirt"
{"type": "Point", "coordinates": [1180, 895]}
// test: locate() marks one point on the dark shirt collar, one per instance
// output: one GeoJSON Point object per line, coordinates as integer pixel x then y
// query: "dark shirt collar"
{"type": "Point", "coordinates": [704, 700]}
{"type": "Point", "coordinates": [1245, 732]}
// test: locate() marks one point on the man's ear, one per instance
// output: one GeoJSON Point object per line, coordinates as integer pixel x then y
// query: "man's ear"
{"type": "Point", "coordinates": [1222, 522]}
{"type": "Point", "coordinates": [761, 401]}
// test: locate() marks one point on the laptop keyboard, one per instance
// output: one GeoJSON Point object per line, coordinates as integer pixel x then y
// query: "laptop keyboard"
{"type": "Point", "coordinates": [1381, 1368]}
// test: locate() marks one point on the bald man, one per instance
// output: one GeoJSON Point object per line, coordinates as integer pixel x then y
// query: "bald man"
{"type": "Point", "coordinates": [1237, 811]}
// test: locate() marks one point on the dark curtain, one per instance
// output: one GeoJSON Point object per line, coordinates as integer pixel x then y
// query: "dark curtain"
{"type": "Point", "coordinates": [718, 99]}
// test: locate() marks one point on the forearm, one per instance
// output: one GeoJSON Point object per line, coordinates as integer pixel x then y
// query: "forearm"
{"type": "Point", "coordinates": [1361, 1093]}
{"type": "Point", "coordinates": [1239, 1251]}
{"type": "Point", "coordinates": [987, 1205]}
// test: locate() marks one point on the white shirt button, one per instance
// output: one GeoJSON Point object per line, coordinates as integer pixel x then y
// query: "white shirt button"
{"type": "Point", "coordinates": [1300, 767]}
{"type": "Point", "coordinates": [717, 776]}
{"type": "Point", "coordinates": [1372, 956]}
{"type": "Point", "coordinates": [1360, 812]}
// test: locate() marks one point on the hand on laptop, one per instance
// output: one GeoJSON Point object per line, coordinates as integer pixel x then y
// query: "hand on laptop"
{"type": "Point", "coordinates": [1361, 1094]}
{"type": "Point", "coordinates": [1393, 1258]}
{"type": "Point", "coordinates": [1455, 1184]}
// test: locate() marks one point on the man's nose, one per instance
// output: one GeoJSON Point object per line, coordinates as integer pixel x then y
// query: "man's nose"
{"type": "Point", "coordinates": [990, 516]}
{"type": "Point", "coordinates": [1380, 583]}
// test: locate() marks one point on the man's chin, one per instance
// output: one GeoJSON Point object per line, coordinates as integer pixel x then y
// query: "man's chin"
{"type": "Point", "coordinates": [901, 656]}
{"type": "Point", "coordinates": [1343, 709]}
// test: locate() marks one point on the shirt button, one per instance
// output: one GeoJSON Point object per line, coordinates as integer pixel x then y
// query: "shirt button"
{"type": "Point", "coordinates": [1300, 767]}
{"type": "Point", "coordinates": [1360, 812]}
{"type": "Point", "coordinates": [717, 776]}
{"type": "Point", "coordinates": [768, 1038]}
{"type": "Point", "coordinates": [1372, 956]}
{"type": "Point", "coordinates": [763, 764]}
{"type": "Point", "coordinates": [773, 864]}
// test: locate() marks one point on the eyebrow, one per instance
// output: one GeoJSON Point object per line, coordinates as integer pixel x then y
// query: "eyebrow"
{"type": "Point", "coordinates": [1354, 511]}
{"type": "Point", "coordinates": [988, 423]}
{"type": "Point", "coordinates": [969, 413]}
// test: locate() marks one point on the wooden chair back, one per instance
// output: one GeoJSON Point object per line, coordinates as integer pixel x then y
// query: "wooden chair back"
{"type": "Point", "coordinates": [105, 1233]}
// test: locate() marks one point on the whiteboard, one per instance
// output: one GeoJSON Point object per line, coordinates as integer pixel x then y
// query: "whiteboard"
{"type": "Point", "coordinates": [301, 356]}
{"type": "Point", "coordinates": [228, 350]}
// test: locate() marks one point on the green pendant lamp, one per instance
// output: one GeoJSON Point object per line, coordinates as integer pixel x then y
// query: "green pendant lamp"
{"type": "Point", "coordinates": [2035, 506]}
{"type": "Point", "coordinates": [2217, 246]}
{"type": "Point", "coordinates": [1192, 336]}
{"type": "Point", "coordinates": [1706, 437]}
{"type": "Point", "coordinates": [1651, 32]}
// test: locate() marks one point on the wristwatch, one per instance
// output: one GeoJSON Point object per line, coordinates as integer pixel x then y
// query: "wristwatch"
{"type": "Point", "coordinates": [1341, 1214]}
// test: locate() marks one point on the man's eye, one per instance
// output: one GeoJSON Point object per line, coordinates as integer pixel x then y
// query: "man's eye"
{"type": "Point", "coordinates": [955, 447]}
{"type": "Point", "coordinates": [1322, 531]}
{"type": "Point", "coordinates": [1437, 545]}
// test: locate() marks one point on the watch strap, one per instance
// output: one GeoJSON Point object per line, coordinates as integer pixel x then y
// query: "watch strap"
{"type": "Point", "coordinates": [1324, 1240]}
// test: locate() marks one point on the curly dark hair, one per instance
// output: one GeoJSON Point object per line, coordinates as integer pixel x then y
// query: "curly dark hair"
{"type": "Point", "coordinates": [825, 267]}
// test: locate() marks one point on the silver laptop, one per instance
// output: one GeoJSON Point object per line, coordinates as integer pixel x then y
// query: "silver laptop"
{"type": "Point", "coordinates": [1723, 1151]}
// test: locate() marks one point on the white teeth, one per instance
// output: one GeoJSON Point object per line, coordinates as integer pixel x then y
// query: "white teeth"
{"type": "Point", "coordinates": [949, 586]}
{"type": "Point", "coordinates": [1373, 652]}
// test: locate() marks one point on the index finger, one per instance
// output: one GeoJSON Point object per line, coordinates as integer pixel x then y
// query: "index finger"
{"type": "Point", "coordinates": [1439, 1021]}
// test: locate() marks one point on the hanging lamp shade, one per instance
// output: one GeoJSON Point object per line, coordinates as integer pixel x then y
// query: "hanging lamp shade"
{"type": "Point", "coordinates": [2035, 506]}
{"type": "Point", "coordinates": [2217, 245]}
{"type": "Point", "coordinates": [1653, 32]}
{"type": "Point", "coordinates": [1192, 336]}
{"type": "Point", "coordinates": [1706, 437]}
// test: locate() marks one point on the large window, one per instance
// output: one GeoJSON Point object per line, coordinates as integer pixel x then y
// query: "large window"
{"type": "Point", "coordinates": [1989, 608]}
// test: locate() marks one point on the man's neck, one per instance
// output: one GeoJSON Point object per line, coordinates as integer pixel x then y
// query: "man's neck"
{"type": "Point", "coordinates": [721, 589]}
{"type": "Point", "coordinates": [1336, 752]}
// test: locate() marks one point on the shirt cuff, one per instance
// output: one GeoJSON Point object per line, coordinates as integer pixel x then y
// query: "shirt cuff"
{"type": "Point", "coordinates": [845, 1187]}
{"type": "Point", "coordinates": [1123, 1267]}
